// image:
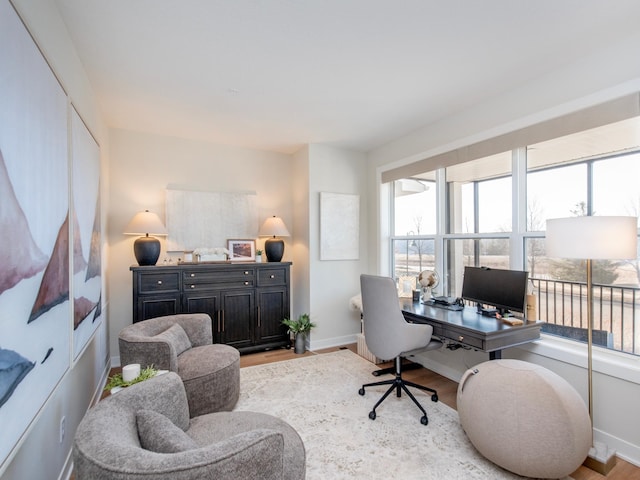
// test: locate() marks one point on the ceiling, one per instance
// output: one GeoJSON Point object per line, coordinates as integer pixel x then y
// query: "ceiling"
{"type": "Point", "coordinates": [278, 74]}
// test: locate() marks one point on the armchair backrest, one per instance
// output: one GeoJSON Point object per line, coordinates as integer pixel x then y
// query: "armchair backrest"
{"type": "Point", "coordinates": [138, 342]}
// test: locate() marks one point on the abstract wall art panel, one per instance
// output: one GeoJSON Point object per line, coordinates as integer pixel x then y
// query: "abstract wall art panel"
{"type": "Point", "coordinates": [35, 312]}
{"type": "Point", "coordinates": [339, 226]}
{"type": "Point", "coordinates": [87, 277]}
{"type": "Point", "coordinates": [207, 219]}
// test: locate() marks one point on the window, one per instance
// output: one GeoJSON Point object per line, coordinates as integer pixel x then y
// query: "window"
{"type": "Point", "coordinates": [479, 195]}
{"type": "Point", "coordinates": [593, 172]}
{"type": "Point", "coordinates": [415, 206]}
{"type": "Point", "coordinates": [415, 215]}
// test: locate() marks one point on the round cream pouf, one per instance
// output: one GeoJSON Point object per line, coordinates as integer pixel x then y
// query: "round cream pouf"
{"type": "Point", "coordinates": [524, 418]}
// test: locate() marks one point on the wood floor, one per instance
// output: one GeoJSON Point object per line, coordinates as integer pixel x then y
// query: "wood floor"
{"type": "Point", "coordinates": [447, 390]}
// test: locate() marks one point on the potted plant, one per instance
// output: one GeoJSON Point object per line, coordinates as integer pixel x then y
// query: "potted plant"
{"type": "Point", "coordinates": [258, 256]}
{"type": "Point", "coordinates": [300, 329]}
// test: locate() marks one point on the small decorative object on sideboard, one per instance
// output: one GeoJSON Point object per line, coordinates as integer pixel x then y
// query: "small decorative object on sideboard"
{"type": "Point", "coordinates": [242, 250]}
{"type": "Point", "coordinates": [216, 254]}
{"type": "Point", "coordinates": [300, 329]}
{"type": "Point", "coordinates": [258, 256]}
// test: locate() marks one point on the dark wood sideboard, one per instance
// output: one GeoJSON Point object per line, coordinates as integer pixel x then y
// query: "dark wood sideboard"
{"type": "Point", "coordinates": [246, 301]}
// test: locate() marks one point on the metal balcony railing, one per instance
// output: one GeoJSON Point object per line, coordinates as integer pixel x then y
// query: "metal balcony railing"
{"type": "Point", "coordinates": [616, 311]}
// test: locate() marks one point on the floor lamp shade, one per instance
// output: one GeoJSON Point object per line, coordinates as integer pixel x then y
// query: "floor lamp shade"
{"type": "Point", "coordinates": [146, 248]}
{"type": "Point", "coordinates": [274, 247]}
{"type": "Point", "coordinates": [592, 237]}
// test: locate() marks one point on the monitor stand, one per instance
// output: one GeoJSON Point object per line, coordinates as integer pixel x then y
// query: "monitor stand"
{"type": "Point", "coordinates": [486, 312]}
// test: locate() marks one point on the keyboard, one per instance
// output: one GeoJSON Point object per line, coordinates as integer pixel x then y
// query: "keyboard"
{"type": "Point", "coordinates": [447, 306]}
{"type": "Point", "coordinates": [445, 300]}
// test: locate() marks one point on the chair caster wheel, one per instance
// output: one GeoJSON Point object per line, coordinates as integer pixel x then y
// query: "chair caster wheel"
{"type": "Point", "coordinates": [434, 397]}
{"type": "Point", "coordinates": [361, 391]}
{"type": "Point", "coordinates": [372, 415]}
{"type": "Point", "coordinates": [424, 420]}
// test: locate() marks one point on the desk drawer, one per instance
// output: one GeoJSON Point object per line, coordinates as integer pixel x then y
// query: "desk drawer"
{"type": "Point", "coordinates": [462, 336]}
{"type": "Point", "coordinates": [159, 282]}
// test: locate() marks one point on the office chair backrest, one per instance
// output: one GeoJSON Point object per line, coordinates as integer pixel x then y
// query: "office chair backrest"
{"type": "Point", "coordinates": [384, 324]}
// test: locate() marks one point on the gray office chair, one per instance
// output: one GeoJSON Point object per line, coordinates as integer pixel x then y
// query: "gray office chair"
{"type": "Point", "coordinates": [388, 335]}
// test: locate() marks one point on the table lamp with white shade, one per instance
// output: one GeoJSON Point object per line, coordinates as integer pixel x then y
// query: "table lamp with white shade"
{"type": "Point", "coordinates": [592, 238]}
{"type": "Point", "coordinates": [274, 247]}
{"type": "Point", "coordinates": [146, 248]}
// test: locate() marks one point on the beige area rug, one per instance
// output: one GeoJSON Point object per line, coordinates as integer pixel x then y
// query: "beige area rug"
{"type": "Point", "coordinates": [319, 397]}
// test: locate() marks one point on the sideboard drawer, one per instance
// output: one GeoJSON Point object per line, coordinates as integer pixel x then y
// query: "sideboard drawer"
{"type": "Point", "coordinates": [221, 278]}
{"type": "Point", "coordinates": [272, 276]}
{"type": "Point", "coordinates": [159, 282]}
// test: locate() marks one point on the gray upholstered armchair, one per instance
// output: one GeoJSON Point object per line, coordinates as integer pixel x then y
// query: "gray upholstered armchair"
{"type": "Point", "coordinates": [144, 432]}
{"type": "Point", "coordinates": [183, 344]}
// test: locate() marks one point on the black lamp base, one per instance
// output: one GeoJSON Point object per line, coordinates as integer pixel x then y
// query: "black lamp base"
{"type": "Point", "coordinates": [274, 248]}
{"type": "Point", "coordinates": [147, 250]}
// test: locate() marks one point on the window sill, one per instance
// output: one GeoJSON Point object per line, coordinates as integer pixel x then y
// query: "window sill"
{"type": "Point", "coordinates": [608, 362]}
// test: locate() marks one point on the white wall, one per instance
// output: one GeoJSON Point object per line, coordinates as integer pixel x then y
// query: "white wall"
{"type": "Point", "coordinates": [333, 283]}
{"type": "Point", "coordinates": [39, 453]}
{"type": "Point", "coordinates": [606, 74]}
{"type": "Point", "coordinates": [143, 165]}
{"type": "Point", "coordinates": [301, 275]}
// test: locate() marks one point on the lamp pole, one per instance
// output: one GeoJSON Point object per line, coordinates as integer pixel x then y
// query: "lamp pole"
{"type": "Point", "coordinates": [590, 340]}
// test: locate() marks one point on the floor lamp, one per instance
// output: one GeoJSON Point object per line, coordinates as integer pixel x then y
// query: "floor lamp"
{"type": "Point", "coordinates": [592, 238]}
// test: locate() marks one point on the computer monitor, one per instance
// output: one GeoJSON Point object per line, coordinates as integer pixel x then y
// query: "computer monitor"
{"type": "Point", "coordinates": [506, 290]}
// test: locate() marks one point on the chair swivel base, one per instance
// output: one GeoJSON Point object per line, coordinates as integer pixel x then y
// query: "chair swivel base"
{"type": "Point", "coordinates": [399, 384]}
{"type": "Point", "coordinates": [409, 365]}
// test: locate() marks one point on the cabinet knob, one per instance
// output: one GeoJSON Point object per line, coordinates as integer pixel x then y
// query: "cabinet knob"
{"type": "Point", "coordinates": [159, 282]}
{"type": "Point", "coordinates": [460, 338]}
{"type": "Point", "coordinates": [246, 283]}
{"type": "Point", "coordinates": [246, 273]}
{"type": "Point", "coordinates": [192, 275]}
{"type": "Point", "coordinates": [192, 286]}
{"type": "Point", "coordinates": [272, 276]}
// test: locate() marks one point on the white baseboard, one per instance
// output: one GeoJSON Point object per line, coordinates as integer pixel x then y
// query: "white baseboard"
{"type": "Point", "coordinates": [623, 449]}
{"type": "Point", "coordinates": [115, 362]}
{"type": "Point", "coordinates": [67, 469]}
{"type": "Point", "coordinates": [333, 342]}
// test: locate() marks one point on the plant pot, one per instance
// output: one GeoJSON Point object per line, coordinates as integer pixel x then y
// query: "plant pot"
{"type": "Point", "coordinates": [299, 346]}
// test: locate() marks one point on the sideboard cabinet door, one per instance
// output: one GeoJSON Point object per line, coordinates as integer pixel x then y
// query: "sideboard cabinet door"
{"type": "Point", "coordinates": [156, 292]}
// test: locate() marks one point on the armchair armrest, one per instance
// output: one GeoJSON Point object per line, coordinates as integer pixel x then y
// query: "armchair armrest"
{"type": "Point", "coordinates": [254, 454]}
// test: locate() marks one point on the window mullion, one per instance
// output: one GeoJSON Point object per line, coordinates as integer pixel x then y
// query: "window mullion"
{"type": "Point", "coordinates": [519, 208]}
